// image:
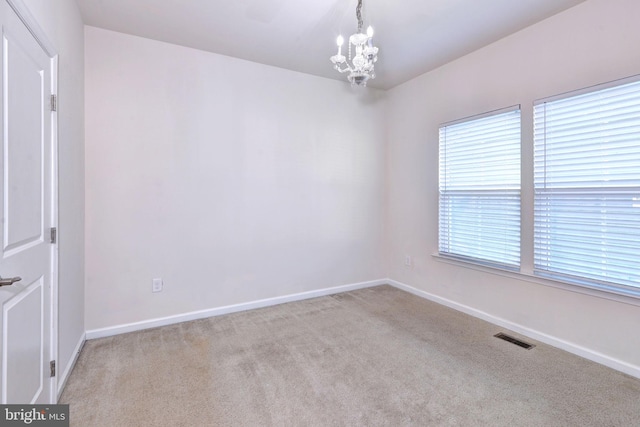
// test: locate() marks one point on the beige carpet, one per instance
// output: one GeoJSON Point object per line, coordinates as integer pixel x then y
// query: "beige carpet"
{"type": "Point", "coordinates": [372, 357]}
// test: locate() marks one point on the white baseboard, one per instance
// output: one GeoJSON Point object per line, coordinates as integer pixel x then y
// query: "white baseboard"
{"type": "Point", "coordinates": [62, 379]}
{"type": "Point", "coordinates": [218, 311]}
{"type": "Point", "coordinates": [589, 354]}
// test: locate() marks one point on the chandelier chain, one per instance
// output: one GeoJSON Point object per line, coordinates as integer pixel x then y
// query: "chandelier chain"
{"type": "Point", "coordinates": [359, 15]}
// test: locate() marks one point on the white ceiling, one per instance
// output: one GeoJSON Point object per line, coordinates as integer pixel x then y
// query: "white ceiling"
{"type": "Point", "coordinates": [414, 36]}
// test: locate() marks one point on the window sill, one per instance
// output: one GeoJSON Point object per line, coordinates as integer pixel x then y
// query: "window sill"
{"type": "Point", "coordinates": [632, 298]}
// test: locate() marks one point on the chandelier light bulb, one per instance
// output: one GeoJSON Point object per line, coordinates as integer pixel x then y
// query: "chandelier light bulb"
{"type": "Point", "coordinates": [340, 41]}
{"type": "Point", "coordinates": [370, 31]}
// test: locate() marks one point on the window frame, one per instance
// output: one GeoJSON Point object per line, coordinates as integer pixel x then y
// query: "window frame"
{"type": "Point", "coordinates": [609, 287]}
{"type": "Point", "coordinates": [493, 263]}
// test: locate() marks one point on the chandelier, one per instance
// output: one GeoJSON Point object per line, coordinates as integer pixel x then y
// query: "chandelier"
{"type": "Point", "coordinates": [360, 68]}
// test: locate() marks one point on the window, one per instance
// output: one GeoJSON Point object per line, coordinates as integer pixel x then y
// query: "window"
{"type": "Point", "coordinates": [480, 189]}
{"type": "Point", "coordinates": [587, 188]}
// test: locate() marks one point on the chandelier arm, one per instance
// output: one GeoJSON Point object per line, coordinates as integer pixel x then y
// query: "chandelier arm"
{"type": "Point", "coordinates": [359, 15]}
{"type": "Point", "coordinates": [343, 70]}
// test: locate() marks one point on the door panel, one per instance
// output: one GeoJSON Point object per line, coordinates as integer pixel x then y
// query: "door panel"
{"type": "Point", "coordinates": [23, 333]}
{"type": "Point", "coordinates": [23, 148]}
{"type": "Point", "coordinates": [26, 208]}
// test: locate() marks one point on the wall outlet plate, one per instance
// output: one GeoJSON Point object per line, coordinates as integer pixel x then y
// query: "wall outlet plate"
{"type": "Point", "coordinates": [156, 285]}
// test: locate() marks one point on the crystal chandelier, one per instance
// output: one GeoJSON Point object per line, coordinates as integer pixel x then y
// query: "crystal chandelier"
{"type": "Point", "coordinates": [360, 68]}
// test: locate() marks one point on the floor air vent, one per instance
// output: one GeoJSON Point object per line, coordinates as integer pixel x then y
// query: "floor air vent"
{"type": "Point", "coordinates": [514, 341]}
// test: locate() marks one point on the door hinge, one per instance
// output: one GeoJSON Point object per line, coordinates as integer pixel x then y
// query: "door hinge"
{"type": "Point", "coordinates": [52, 365]}
{"type": "Point", "coordinates": [54, 234]}
{"type": "Point", "coordinates": [54, 102]}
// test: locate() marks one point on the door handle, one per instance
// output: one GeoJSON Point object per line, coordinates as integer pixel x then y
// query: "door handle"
{"type": "Point", "coordinates": [9, 281]}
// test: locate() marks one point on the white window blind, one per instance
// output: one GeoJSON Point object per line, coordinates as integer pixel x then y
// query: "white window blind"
{"type": "Point", "coordinates": [479, 202]}
{"type": "Point", "coordinates": [587, 188]}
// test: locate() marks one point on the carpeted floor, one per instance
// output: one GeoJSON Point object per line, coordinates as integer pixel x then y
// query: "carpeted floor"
{"type": "Point", "coordinates": [372, 357]}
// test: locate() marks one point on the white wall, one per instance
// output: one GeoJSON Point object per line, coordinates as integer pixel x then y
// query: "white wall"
{"type": "Point", "coordinates": [594, 42]}
{"type": "Point", "coordinates": [62, 23]}
{"type": "Point", "coordinates": [232, 181]}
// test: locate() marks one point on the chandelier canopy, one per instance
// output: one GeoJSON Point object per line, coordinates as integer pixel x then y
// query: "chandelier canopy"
{"type": "Point", "coordinates": [361, 67]}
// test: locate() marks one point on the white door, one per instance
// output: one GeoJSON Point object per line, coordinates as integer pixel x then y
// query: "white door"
{"type": "Point", "coordinates": [26, 251]}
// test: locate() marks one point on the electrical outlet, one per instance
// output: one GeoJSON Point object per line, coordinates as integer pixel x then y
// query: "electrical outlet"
{"type": "Point", "coordinates": [156, 285]}
{"type": "Point", "coordinates": [408, 261]}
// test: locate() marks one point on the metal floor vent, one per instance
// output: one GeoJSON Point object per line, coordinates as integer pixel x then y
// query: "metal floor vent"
{"type": "Point", "coordinates": [515, 341]}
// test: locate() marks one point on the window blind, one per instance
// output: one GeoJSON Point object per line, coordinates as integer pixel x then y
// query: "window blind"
{"type": "Point", "coordinates": [587, 188]}
{"type": "Point", "coordinates": [479, 185]}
